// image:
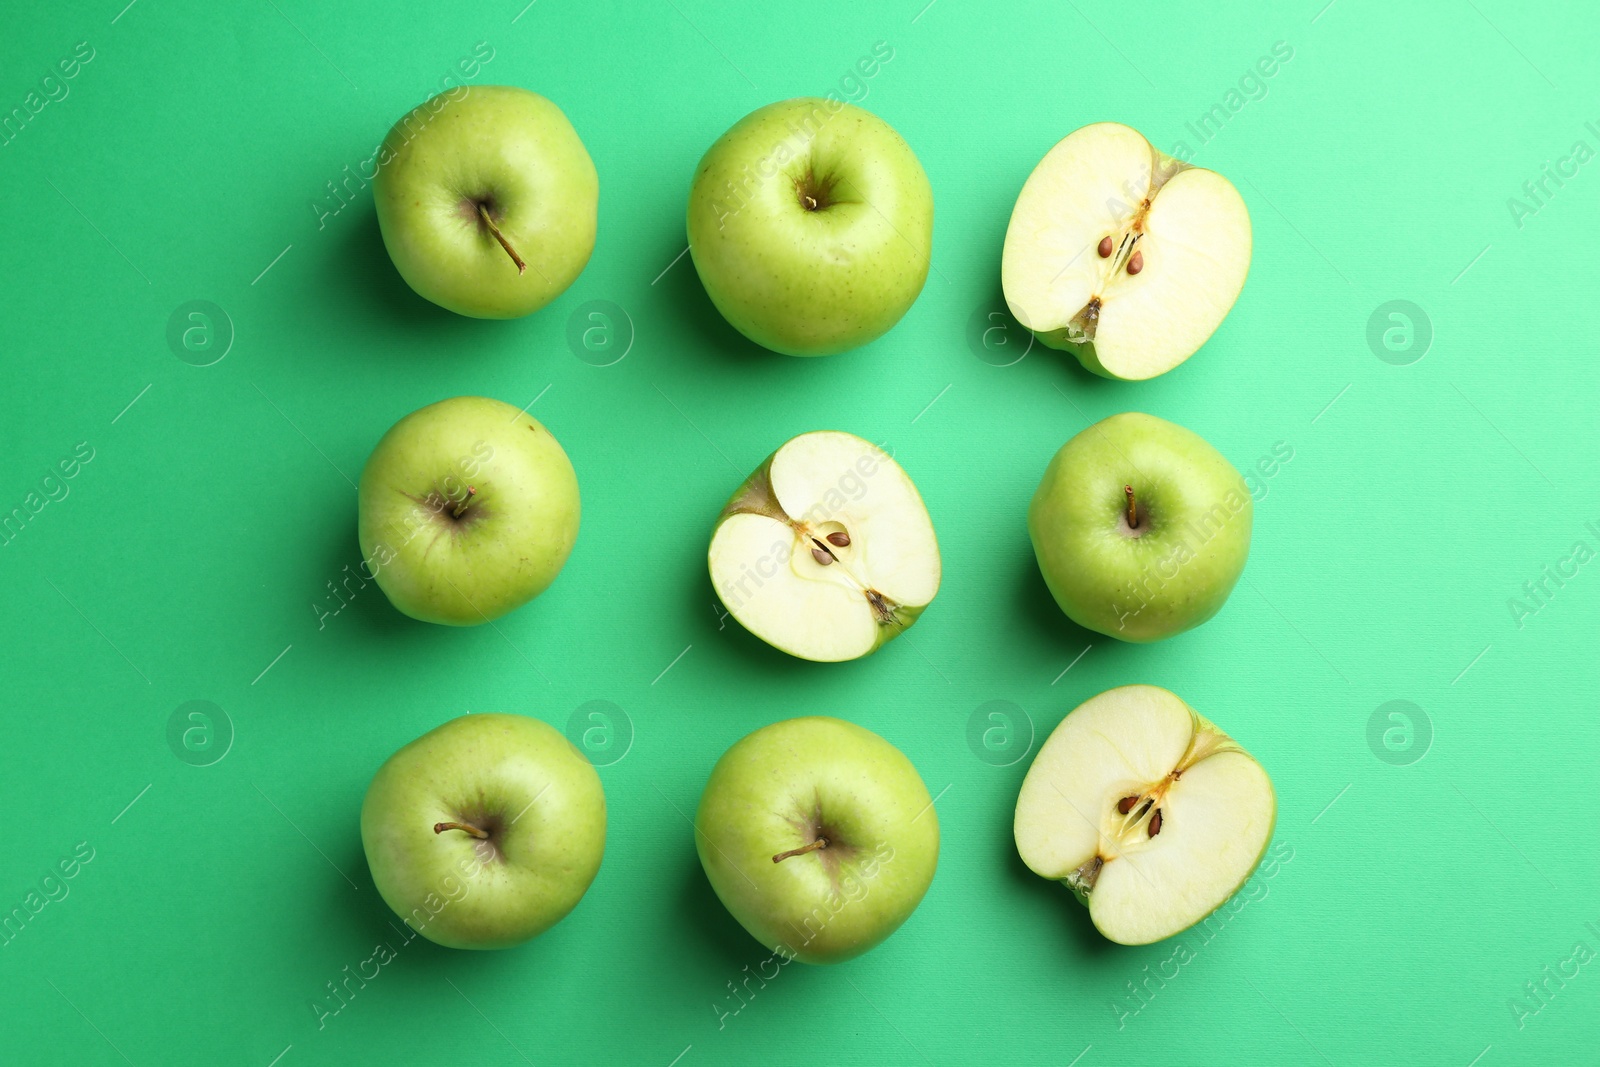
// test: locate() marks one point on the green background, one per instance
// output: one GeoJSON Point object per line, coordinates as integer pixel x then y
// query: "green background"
{"type": "Point", "coordinates": [1433, 873]}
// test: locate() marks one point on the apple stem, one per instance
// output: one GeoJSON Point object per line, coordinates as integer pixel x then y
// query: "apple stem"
{"type": "Point", "coordinates": [441, 827]}
{"type": "Point", "coordinates": [1133, 508]}
{"type": "Point", "coordinates": [483, 213]}
{"type": "Point", "coordinates": [821, 842]}
{"type": "Point", "coordinates": [461, 507]}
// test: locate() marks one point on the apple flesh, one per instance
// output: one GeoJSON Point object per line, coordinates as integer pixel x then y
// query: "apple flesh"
{"type": "Point", "coordinates": [1148, 812]}
{"type": "Point", "coordinates": [484, 832]}
{"type": "Point", "coordinates": [468, 508]}
{"type": "Point", "coordinates": [818, 836]}
{"type": "Point", "coordinates": [811, 225]}
{"type": "Point", "coordinates": [1141, 528]}
{"type": "Point", "coordinates": [1123, 255]}
{"type": "Point", "coordinates": [487, 201]}
{"type": "Point", "coordinates": [826, 551]}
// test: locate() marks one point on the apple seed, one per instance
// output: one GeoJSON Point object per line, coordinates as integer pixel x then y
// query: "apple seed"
{"type": "Point", "coordinates": [839, 539]}
{"type": "Point", "coordinates": [1105, 247]}
{"type": "Point", "coordinates": [822, 555]}
{"type": "Point", "coordinates": [1155, 823]}
{"type": "Point", "coordinates": [1126, 804]}
{"type": "Point", "coordinates": [1136, 264]}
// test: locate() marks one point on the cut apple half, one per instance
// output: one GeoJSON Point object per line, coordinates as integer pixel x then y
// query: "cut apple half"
{"type": "Point", "coordinates": [1151, 815]}
{"type": "Point", "coordinates": [1122, 255]}
{"type": "Point", "coordinates": [826, 551]}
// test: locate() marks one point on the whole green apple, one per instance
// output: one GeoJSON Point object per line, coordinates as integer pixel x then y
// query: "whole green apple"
{"type": "Point", "coordinates": [818, 836]}
{"type": "Point", "coordinates": [811, 224]}
{"type": "Point", "coordinates": [1141, 528]}
{"type": "Point", "coordinates": [468, 509]}
{"type": "Point", "coordinates": [487, 200]}
{"type": "Point", "coordinates": [484, 832]}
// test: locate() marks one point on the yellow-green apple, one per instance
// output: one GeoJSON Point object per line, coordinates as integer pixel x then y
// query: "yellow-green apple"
{"type": "Point", "coordinates": [486, 831]}
{"type": "Point", "coordinates": [819, 837]}
{"type": "Point", "coordinates": [487, 200]}
{"type": "Point", "coordinates": [811, 224]}
{"type": "Point", "coordinates": [468, 508]}
{"type": "Point", "coordinates": [1141, 528]}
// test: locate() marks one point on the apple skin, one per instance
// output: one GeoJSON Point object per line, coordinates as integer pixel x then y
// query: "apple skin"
{"type": "Point", "coordinates": [514, 151]}
{"type": "Point", "coordinates": [1195, 511]}
{"type": "Point", "coordinates": [811, 282]}
{"type": "Point", "coordinates": [515, 775]}
{"type": "Point", "coordinates": [516, 528]}
{"type": "Point", "coordinates": [773, 791]}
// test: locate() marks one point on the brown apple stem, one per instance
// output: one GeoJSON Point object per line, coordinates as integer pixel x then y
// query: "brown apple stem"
{"type": "Point", "coordinates": [821, 842]}
{"type": "Point", "coordinates": [1133, 508]}
{"type": "Point", "coordinates": [441, 827]}
{"type": "Point", "coordinates": [483, 213]}
{"type": "Point", "coordinates": [459, 508]}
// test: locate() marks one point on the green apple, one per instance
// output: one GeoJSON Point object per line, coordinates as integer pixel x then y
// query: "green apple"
{"type": "Point", "coordinates": [811, 224]}
{"type": "Point", "coordinates": [818, 836]}
{"type": "Point", "coordinates": [484, 832]}
{"type": "Point", "coordinates": [1151, 815]}
{"type": "Point", "coordinates": [1141, 528]}
{"type": "Point", "coordinates": [487, 201]}
{"type": "Point", "coordinates": [468, 509]}
{"type": "Point", "coordinates": [826, 551]}
{"type": "Point", "coordinates": [1123, 255]}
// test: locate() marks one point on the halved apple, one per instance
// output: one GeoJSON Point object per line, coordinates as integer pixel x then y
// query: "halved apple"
{"type": "Point", "coordinates": [1151, 815]}
{"type": "Point", "coordinates": [1122, 255]}
{"type": "Point", "coordinates": [826, 551]}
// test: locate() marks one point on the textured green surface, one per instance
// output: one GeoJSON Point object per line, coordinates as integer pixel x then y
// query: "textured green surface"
{"type": "Point", "coordinates": [1410, 901]}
